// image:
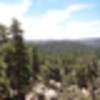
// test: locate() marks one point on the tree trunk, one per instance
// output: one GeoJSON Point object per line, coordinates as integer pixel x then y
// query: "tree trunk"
{"type": "Point", "coordinates": [92, 93]}
{"type": "Point", "coordinates": [91, 84]}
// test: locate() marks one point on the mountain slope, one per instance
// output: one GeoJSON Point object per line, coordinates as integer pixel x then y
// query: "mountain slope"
{"type": "Point", "coordinates": [94, 42]}
{"type": "Point", "coordinates": [79, 46]}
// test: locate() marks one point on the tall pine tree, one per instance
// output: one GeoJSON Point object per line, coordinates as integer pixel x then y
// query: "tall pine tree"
{"type": "Point", "coordinates": [3, 33]}
{"type": "Point", "coordinates": [21, 70]}
{"type": "Point", "coordinates": [35, 62]}
{"type": "Point", "coordinates": [4, 80]}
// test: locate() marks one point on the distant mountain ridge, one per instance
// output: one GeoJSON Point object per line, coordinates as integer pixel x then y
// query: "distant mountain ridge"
{"type": "Point", "coordinates": [93, 42]}
{"type": "Point", "coordinates": [90, 42]}
{"type": "Point", "coordinates": [85, 46]}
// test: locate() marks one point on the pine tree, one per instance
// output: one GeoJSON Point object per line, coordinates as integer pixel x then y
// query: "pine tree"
{"type": "Point", "coordinates": [35, 62]}
{"type": "Point", "coordinates": [3, 34]}
{"type": "Point", "coordinates": [21, 70]}
{"type": "Point", "coordinates": [4, 81]}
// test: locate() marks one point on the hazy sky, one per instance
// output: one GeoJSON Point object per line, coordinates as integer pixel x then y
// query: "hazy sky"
{"type": "Point", "coordinates": [54, 19]}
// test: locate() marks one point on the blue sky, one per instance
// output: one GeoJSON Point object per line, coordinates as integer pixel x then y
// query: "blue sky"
{"type": "Point", "coordinates": [54, 19]}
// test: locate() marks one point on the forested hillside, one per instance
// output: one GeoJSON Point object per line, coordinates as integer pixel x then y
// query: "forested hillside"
{"type": "Point", "coordinates": [63, 46]}
{"type": "Point", "coordinates": [24, 64]}
{"type": "Point", "coordinates": [93, 42]}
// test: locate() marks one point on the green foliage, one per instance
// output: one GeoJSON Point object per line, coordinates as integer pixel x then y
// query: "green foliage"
{"type": "Point", "coordinates": [50, 70]}
{"type": "Point", "coordinates": [4, 81]}
{"type": "Point", "coordinates": [3, 33]}
{"type": "Point", "coordinates": [82, 75]}
{"type": "Point", "coordinates": [63, 62]}
{"type": "Point", "coordinates": [21, 67]}
{"type": "Point", "coordinates": [35, 61]}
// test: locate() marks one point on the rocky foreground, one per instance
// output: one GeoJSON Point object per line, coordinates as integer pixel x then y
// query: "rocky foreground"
{"type": "Point", "coordinates": [56, 91]}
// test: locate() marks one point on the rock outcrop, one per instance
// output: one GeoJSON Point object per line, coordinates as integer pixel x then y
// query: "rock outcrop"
{"type": "Point", "coordinates": [42, 92]}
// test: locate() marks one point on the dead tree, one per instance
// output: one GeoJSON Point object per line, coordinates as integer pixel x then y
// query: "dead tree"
{"type": "Point", "coordinates": [92, 72]}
